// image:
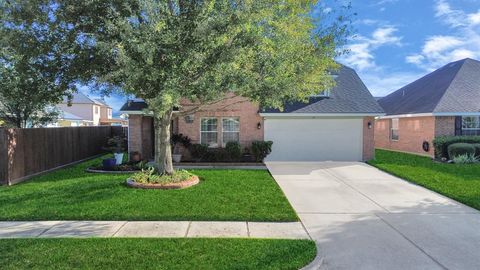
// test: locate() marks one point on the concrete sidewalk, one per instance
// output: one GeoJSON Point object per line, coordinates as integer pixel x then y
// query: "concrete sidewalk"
{"type": "Point", "coordinates": [363, 218]}
{"type": "Point", "coordinates": [158, 229]}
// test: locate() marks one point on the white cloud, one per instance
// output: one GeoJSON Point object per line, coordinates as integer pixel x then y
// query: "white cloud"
{"type": "Point", "coordinates": [438, 44]}
{"type": "Point", "coordinates": [382, 83]}
{"type": "Point", "coordinates": [474, 18]}
{"type": "Point", "coordinates": [415, 59]}
{"type": "Point", "coordinates": [383, 36]}
{"type": "Point", "coordinates": [383, 2]}
{"type": "Point", "coordinates": [440, 50]}
{"type": "Point", "coordinates": [454, 18]}
{"type": "Point", "coordinates": [361, 51]}
{"type": "Point", "coordinates": [362, 58]}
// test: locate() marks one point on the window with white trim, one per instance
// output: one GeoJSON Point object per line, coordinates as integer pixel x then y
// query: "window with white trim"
{"type": "Point", "coordinates": [209, 132]}
{"type": "Point", "coordinates": [471, 122]}
{"type": "Point", "coordinates": [470, 126]}
{"type": "Point", "coordinates": [230, 130]}
{"type": "Point", "coordinates": [394, 136]}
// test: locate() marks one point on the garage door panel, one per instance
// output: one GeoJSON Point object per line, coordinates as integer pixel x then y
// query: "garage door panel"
{"type": "Point", "coordinates": [315, 139]}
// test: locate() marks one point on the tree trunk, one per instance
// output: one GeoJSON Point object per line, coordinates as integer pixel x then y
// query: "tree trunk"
{"type": "Point", "coordinates": [163, 149]}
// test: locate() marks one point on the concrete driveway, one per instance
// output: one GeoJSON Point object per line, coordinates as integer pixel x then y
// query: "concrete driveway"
{"type": "Point", "coordinates": [363, 218]}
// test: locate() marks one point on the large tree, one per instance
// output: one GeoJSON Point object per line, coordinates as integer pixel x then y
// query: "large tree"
{"type": "Point", "coordinates": [267, 51]}
{"type": "Point", "coordinates": [35, 57]}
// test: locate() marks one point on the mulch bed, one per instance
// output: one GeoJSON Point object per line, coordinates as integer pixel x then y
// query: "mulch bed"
{"type": "Point", "coordinates": [180, 185]}
{"type": "Point", "coordinates": [124, 168]}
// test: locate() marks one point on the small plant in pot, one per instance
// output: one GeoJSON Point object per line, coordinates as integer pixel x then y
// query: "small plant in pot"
{"type": "Point", "coordinates": [116, 145]}
{"type": "Point", "coordinates": [177, 140]}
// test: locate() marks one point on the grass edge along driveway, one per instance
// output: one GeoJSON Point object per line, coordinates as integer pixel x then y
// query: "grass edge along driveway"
{"type": "Point", "coordinates": [73, 194]}
{"type": "Point", "coordinates": [457, 181]}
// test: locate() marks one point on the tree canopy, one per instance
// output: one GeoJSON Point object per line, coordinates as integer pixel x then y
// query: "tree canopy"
{"type": "Point", "coordinates": [35, 57]}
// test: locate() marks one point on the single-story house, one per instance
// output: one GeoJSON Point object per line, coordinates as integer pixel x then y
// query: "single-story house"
{"type": "Point", "coordinates": [334, 125]}
{"type": "Point", "coordinates": [445, 102]}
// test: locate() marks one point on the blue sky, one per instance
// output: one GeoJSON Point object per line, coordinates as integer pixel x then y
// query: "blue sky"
{"type": "Point", "coordinates": [398, 41]}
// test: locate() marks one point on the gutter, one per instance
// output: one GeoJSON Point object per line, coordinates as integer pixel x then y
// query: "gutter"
{"type": "Point", "coordinates": [429, 114]}
{"type": "Point", "coordinates": [318, 115]}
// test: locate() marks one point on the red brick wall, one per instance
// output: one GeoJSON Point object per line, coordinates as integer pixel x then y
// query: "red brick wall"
{"type": "Point", "coordinates": [239, 107]}
{"type": "Point", "coordinates": [413, 131]}
{"type": "Point", "coordinates": [140, 137]}
{"type": "Point", "coordinates": [135, 133]}
{"type": "Point", "coordinates": [445, 126]}
{"type": "Point", "coordinates": [368, 139]}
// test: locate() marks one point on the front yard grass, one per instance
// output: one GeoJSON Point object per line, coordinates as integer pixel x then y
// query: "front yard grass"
{"type": "Point", "coordinates": [128, 253]}
{"type": "Point", "coordinates": [459, 182]}
{"type": "Point", "coordinates": [73, 194]}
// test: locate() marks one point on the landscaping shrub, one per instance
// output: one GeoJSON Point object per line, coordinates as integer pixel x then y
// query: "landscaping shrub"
{"type": "Point", "coordinates": [465, 159]}
{"type": "Point", "coordinates": [151, 177]}
{"type": "Point", "coordinates": [178, 139]}
{"type": "Point", "coordinates": [261, 149]}
{"type": "Point", "coordinates": [234, 151]}
{"type": "Point", "coordinates": [441, 143]}
{"type": "Point", "coordinates": [198, 151]}
{"type": "Point", "coordinates": [477, 149]}
{"type": "Point", "coordinates": [218, 155]}
{"type": "Point", "coordinates": [459, 149]}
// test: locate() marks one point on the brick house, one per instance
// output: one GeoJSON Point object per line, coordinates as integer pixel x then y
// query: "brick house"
{"type": "Point", "coordinates": [334, 125]}
{"type": "Point", "coordinates": [445, 102]}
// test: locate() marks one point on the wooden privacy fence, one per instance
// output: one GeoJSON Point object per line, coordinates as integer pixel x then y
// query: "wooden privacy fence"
{"type": "Point", "coordinates": [27, 152]}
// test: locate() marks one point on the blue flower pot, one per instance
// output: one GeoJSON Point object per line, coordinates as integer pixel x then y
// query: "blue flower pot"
{"type": "Point", "coordinates": [109, 163]}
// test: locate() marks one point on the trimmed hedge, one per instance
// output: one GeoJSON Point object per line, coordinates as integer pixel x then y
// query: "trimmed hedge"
{"type": "Point", "coordinates": [441, 143]}
{"type": "Point", "coordinates": [460, 149]}
{"type": "Point", "coordinates": [477, 149]}
{"type": "Point", "coordinates": [261, 149]}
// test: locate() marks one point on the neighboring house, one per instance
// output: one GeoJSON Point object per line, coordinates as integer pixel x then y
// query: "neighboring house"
{"type": "Point", "coordinates": [85, 111]}
{"type": "Point", "coordinates": [335, 125]}
{"type": "Point", "coordinates": [66, 119]}
{"type": "Point", "coordinates": [444, 102]}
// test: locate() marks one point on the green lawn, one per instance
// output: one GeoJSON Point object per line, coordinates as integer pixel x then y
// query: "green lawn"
{"type": "Point", "coordinates": [459, 182]}
{"type": "Point", "coordinates": [95, 253]}
{"type": "Point", "coordinates": [72, 194]}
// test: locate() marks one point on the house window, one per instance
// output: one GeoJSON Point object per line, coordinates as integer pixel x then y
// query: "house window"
{"type": "Point", "coordinates": [208, 132]}
{"type": "Point", "coordinates": [471, 125]}
{"type": "Point", "coordinates": [230, 130]}
{"type": "Point", "coordinates": [394, 136]}
{"type": "Point", "coordinates": [96, 110]}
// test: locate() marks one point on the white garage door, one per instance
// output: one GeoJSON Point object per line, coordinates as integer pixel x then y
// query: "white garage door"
{"type": "Point", "coordinates": [320, 139]}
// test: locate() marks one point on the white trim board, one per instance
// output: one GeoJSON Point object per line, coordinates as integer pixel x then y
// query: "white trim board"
{"type": "Point", "coordinates": [430, 114]}
{"type": "Point", "coordinates": [317, 115]}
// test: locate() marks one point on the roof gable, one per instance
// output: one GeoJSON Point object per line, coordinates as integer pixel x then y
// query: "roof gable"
{"type": "Point", "coordinates": [350, 95]}
{"type": "Point", "coordinates": [454, 87]}
{"type": "Point", "coordinates": [463, 94]}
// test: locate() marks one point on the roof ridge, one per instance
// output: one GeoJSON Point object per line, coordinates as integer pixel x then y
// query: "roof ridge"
{"type": "Point", "coordinates": [463, 61]}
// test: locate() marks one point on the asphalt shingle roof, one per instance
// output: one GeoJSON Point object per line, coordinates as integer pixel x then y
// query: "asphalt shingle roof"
{"type": "Point", "coordinates": [451, 89]}
{"type": "Point", "coordinates": [81, 98]}
{"type": "Point", "coordinates": [350, 95]}
{"type": "Point", "coordinates": [134, 105]}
